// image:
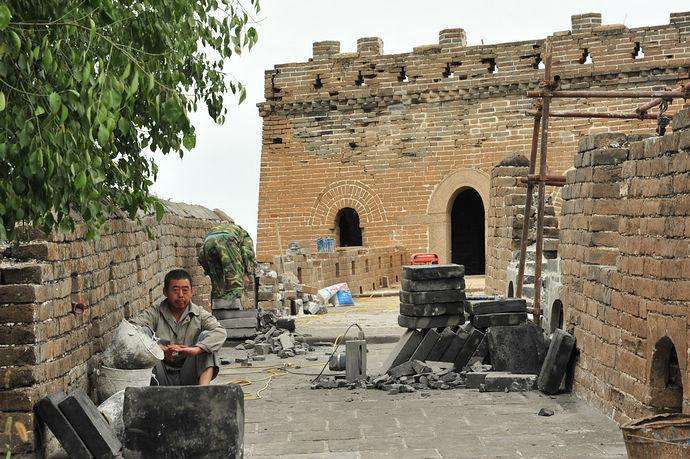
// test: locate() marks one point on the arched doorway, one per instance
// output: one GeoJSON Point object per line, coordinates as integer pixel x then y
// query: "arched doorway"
{"type": "Point", "coordinates": [665, 381]}
{"type": "Point", "coordinates": [349, 233]}
{"type": "Point", "coordinates": [467, 231]}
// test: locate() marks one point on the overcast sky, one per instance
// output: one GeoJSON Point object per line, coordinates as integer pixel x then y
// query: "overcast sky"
{"type": "Point", "coordinates": [223, 170]}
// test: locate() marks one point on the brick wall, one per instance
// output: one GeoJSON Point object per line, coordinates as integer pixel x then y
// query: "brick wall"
{"type": "Point", "coordinates": [44, 347]}
{"type": "Point", "coordinates": [361, 267]}
{"type": "Point", "coordinates": [396, 136]}
{"type": "Point", "coordinates": [625, 260]}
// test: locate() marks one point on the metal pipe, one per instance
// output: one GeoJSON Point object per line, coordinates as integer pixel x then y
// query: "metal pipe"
{"type": "Point", "coordinates": [528, 205]}
{"type": "Point", "coordinates": [644, 108]}
{"type": "Point", "coordinates": [623, 116]}
{"type": "Point", "coordinates": [665, 95]}
{"type": "Point", "coordinates": [546, 102]}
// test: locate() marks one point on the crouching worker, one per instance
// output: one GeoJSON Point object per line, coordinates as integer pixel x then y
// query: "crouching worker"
{"type": "Point", "coordinates": [189, 335]}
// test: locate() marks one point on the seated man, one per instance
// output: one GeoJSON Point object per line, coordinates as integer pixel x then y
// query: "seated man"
{"type": "Point", "coordinates": [189, 335]}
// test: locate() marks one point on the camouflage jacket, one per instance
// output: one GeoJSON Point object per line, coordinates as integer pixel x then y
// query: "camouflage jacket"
{"type": "Point", "coordinates": [227, 256]}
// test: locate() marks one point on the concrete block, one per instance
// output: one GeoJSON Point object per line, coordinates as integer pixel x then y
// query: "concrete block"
{"type": "Point", "coordinates": [432, 309]}
{"type": "Point", "coordinates": [485, 321]}
{"type": "Point", "coordinates": [468, 349]}
{"type": "Point", "coordinates": [517, 349]}
{"type": "Point", "coordinates": [439, 296]}
{"type": "Point", "coordinates": [48, 412]}
{"type": "Point", "coordinates": [556, 362]}
{"type": "Point", "coordinates": [483, 306]}
{"type": "Point", "coordinates": [424, 272]}
{"type": "Point", "coordinates": [286, 323]}
{"type": "Point", "coordinates": [499, 381]}
{"type": "Point", "coordinates": [263, 348]}
{"type": "Point", "coordinates": [425, 346]}
{"type": "Point", "coordinates": [90, 424]}
{"type": "Point", "coordinates": [185, 421]}
{"type": "Point", "coordinates": [456, 283]}
{"type": "Point", "coordinates": [430, 322]}
{"type": "Point", "coordinates": [403, 350]}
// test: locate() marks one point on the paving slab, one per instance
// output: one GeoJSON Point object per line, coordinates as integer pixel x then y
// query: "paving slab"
{"type": "Point", "coordinates": [432, 309]}
{"type": "Point", "coordinates": [438, 296]}
{"type": "Point", "coordinates": [430, 322]}
{"type": "Point", "coordinates": [457, 283]}
{"type": "Point", "coordinates": [426, 272]}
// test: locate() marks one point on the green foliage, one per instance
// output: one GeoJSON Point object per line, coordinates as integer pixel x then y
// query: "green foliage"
{"type": "Point", "coordinates": [86, 86]}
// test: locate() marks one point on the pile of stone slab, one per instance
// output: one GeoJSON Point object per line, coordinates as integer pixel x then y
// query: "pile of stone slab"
{"type": "Point", "coordinates": [276, 335]}
{"type": "Point", "coordinates": [282, 294]}
{"type": "Point", "coordinates": [238, 323]}
{"type": "Point", "coordinates": [497, 350]}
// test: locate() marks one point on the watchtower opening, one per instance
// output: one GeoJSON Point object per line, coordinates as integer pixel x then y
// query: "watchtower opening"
{"type": "Point", "coordinates": [666, 382]}
{"type": "Point", "coordinates": [467, 231]}
{"type": "Point", "coordinates": [347, 226]}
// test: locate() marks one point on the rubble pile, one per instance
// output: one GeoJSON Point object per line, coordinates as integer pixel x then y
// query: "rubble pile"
{"type": "Point", "coordinates": [283, 294]}
{"type": "Point", "coordinates": [275, 336]}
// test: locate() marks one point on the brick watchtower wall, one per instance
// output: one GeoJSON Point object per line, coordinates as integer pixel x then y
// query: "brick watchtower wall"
{"type": "Point", "coordinates": [625, 254]}
{"type": "Point", "coordinates": [44, 346]}
{"type": "Point", "coordinates": [395, 136]}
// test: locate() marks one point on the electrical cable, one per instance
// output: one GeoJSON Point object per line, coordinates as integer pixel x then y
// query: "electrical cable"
{"type": "Point", "coordinates": [336, 345]}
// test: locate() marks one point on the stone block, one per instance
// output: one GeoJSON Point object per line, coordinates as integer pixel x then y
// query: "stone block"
{"type": "Point", "coordinates": [444, 340]}
{"type": "Point", "coordinates": [455, 283]}
{"type": "Point", "coordinates": [263, 348]}
{"type": "Point", "coordinates": [474, 379]}
{"type": "Point", "coordinates": [240, 333]}
{"type": "Point", "coordinates": [285, 323]}
{"type": "Point", "coordinates": [485, 321]}
{"type": "Point", "coordinates": [457, 341]}
{"type": "Point", "coordinates": [468, 349]}
{"type": "Point", "coordinates": [48, 412]}
{"type": "Point", "coordinates": [430, 322]}
{"type": "Point", "coordinates": [239, 322]}
{"type": "Point", "coordinates": [426, 272]}
{"type": "Point", "coordinates": [90, 424]}
{"type": "Point", "coordinates": [422, 352]}
{"type": "Point", "coordinates": [517, 349]}
{"type": "Point", "coordinates": [403, 350]}
{"type": "Point", "coordinates": [492, 306]}
{"type": "Point", "coordinates": [287, 341]}
{"type": "Point", "coordinates": [404, 369]}
{"type": "Point", "coordinates": [186, 421]}
{"type": "Point", "coordinates": [222, 314]}
{"type": "Point", "coordinates": [439, 296]}
{"type": "Point", "coordinates": [432, 309]}
{"type": "Point", "coordinates": [556, 362]}
{"type": "Point", "coordinates": [499, 381]}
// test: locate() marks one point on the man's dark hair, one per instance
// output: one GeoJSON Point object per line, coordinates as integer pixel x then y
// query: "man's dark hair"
{"type": "Point", "coordinates": [176, 274]}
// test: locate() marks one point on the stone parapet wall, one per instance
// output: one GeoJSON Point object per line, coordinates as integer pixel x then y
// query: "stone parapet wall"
{"type": "Point", "coordinates": [625, 262]}
{"type": "Point", "coordinates": [362, 268]}
{"type": "Point", "coordinates": [44, 346]}
{"type": "Point", "coordinates": [386, 134]}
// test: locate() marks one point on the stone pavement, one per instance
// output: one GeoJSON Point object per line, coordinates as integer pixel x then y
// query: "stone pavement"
{"type": "Point", "coordinates": [292, 420]}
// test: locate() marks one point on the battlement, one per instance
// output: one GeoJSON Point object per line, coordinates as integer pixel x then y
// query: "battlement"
{"type": "Point", "coordinates": [590, 50]}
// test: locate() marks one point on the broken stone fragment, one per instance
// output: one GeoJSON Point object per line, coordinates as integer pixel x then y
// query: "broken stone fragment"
{"type": "Point", "coordinates": [286, 341]}
{"type": "Point", "coordinates": [420, 367]}
{"type": "Point", "coordinates": [545, 412]}
{"type": "Point", "coordinates": [507, 382]}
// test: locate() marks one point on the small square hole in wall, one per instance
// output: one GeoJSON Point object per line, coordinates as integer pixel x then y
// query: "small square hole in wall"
{"type": "Point", "coordinates": [402, 76]}
{"type": "Point", "coordinates": [637, 53]}
{"type": "Point", "coordinates": [586, 57]}
{"type": "Point", "coordinates": [360, 79]}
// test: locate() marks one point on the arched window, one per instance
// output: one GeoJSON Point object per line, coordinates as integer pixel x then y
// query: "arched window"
{"type": "Point", "coordinates": [347, 227]}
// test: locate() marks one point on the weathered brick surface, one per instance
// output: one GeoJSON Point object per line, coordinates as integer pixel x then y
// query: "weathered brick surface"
{"type": "Point", "coordinates": [387, 134]}
{"type": "Point", "coordinates": [625, 254]}
{"type": "Point", "coordinates": [44, 347]}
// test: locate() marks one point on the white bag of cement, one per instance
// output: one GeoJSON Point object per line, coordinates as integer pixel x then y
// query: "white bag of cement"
{"type": "Point", "coordinates": [315, 308]}
{"type": "Point", "coordinates": [111, 409]}
{"type": "Point", "coordinates": [326, 294]}
{"type": "Point", "coordinates": [131, 349]}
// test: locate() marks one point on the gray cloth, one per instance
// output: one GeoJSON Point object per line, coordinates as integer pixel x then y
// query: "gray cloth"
{"type": "Point", "coordinates": [188, 374]}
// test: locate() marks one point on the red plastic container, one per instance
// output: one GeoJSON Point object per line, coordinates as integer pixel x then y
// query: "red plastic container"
{"type": "Point", "coordinates": [424, 259]}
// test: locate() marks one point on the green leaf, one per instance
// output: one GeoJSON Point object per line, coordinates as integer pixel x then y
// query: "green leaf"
{"type": "Point", "coordinates": [39, 111]}
{"type": "Point", "coordinates": [16, 40]}
{"type": "Point", "coordinates": [5, 17]}
{"type": "Point", "coordinates": [160, 210]}
{"type": "Point", "coordinates": [55, 102]}
{"type": "Point", "coordinates": [2, 101]}
{"type": "Point", "coordinates": [80, 182]}
{"type": "Point", "coordinates": [189, 140]}
{"type": "Point", "coordinates": [103, 135]}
